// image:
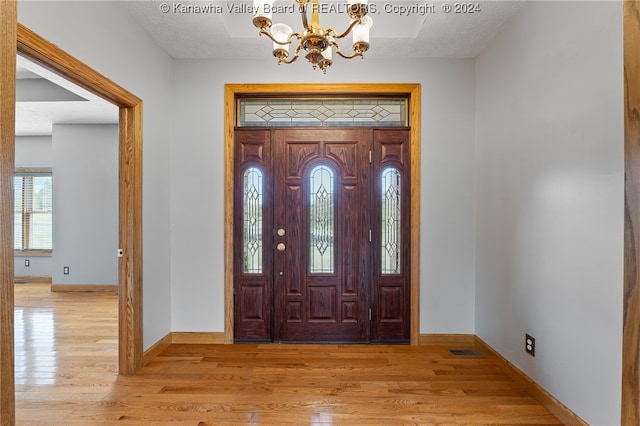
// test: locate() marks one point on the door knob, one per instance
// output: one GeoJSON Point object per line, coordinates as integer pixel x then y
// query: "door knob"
{"type": "Point", "coordinates": [281, 247]}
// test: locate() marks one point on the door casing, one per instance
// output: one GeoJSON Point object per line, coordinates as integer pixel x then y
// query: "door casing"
{"type": "Point", "coordinates": [409, 90]}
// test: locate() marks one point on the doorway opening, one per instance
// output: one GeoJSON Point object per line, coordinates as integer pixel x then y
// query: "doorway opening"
{"type": "Point", "coordinates": [36, 48]}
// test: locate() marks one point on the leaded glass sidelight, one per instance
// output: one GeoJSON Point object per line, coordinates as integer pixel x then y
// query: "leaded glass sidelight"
{"type": "Point", "coordinates": [252, 202]}
{"type": "Point", "coordinates": [321, 220]}
{"type": "Point", "coordinates": [390, 218]}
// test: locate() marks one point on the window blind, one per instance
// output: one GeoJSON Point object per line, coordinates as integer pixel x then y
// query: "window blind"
{"type": "Point", "coordinates": [33, 218]}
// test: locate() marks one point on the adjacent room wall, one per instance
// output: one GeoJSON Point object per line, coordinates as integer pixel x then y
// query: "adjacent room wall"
{"type": "Point", "coordinates": [33, 151]}
{"type": "Point", "coordinates": [105, 37]}
{"type": "Point", "coordinates": [85, 196]}
{"type": "Point", "coordinates": [447, 181]}
{"type": "Point", "coordinates": [549, 123]}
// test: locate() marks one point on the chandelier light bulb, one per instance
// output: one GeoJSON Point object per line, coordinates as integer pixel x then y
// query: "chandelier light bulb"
{"type": "Point", "coordinates": [262, 13]}
{"type": "Point", "coordinates": [361, 34]}
{"type": "Point", "coordinates": [281, 33]}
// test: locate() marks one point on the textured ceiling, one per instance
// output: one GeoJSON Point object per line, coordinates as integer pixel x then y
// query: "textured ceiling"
{"type": "Point", "coordinates": [224, 29]}
{"type": "Point", "coordinates": [44, 98]}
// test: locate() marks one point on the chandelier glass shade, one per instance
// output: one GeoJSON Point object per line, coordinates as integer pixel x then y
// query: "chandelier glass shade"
{"type": "Point", "coordinates": [316, 42]}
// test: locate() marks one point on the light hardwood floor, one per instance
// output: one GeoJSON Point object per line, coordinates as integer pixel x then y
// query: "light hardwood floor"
{"type": "Point", "coordinates": [66, 374]}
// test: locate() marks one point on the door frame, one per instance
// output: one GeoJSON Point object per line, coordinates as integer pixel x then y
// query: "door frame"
{"type": "Point", "coordinates": [33, 46]}
{"type": "Point", "coordinates": [409, 90]}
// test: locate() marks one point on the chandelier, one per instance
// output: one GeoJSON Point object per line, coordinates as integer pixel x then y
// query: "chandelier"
{"type": "Point", "coordinates": [317, 42]}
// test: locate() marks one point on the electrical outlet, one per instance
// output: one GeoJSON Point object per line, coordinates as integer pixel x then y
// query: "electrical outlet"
{"type": "Point", "coordinates": [27, 262]}
{"type": "Point", "coordinates": [530, 345]}
{"type": "Point", "coordinates": [65, 270]}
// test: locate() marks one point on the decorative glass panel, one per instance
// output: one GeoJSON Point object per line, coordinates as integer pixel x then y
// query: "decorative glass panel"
{"type": "Point", "coordinates": [252, 221]}
{"type": "Point", "coordinates": [323, 112]}
{"type": "Point", "coordinates": [390, 226]}
{"type": "Point", "coordinates": [321, 220]}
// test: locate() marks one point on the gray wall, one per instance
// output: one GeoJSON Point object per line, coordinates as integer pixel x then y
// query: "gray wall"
{"type": "Point", "coordinates": [550, 200]}
{"type": "Point", "coordinates": [447, 192]}
{"type": "Point", "coordinates": [105, 37]}
{"type": "Point", "coordinates": [85, 195]}
{"type": "Point", "coordinates": [33, 151]}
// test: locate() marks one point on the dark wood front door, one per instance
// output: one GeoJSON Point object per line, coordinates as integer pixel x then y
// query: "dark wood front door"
{"type": "Point", "coordinates": [321, 235]}
{"type": "Point", "coordinates": [322, 262]}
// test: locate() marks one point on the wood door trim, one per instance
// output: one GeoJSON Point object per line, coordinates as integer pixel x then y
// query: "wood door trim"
{"type": "Point", "coordinates": [630, 412]}
{"type": "Point", "coordinates": [8, 17]}
{"type": "Point", "coordinates": [130, 184]}
{"type": "Point", "coordinates": [231, 91]}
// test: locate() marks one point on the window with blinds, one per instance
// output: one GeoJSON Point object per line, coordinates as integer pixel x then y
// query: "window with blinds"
{"type": "Point", "coordinates": [33, 214]}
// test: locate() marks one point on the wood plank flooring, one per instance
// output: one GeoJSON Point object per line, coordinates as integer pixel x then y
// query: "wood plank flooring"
{"type": "Point", "coordinates": [66, 374]}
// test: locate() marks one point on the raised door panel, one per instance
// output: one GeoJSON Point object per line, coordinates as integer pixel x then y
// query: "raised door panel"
{"type": "Point", "coordinates": [321, 193]}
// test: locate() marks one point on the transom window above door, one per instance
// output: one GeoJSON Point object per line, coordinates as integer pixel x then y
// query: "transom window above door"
{"type": "Point", "coordinates": [280, 112]}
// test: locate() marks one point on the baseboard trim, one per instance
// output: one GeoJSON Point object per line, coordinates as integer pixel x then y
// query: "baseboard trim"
{"type": "Point", "coordinates": [156, 349]}
{"type": "Point", "coordinates": [198, 338]}
{"type": "Point", "coordinates": [33, 279]}
{"type": "Point", "coordinates": [446, 339]}
{"type": "Point", "coordinates": [69, 288]}
{"type": "Point", "coordinates": [184, 338]}
{"type": "Point", "coordinates": [537, 392]}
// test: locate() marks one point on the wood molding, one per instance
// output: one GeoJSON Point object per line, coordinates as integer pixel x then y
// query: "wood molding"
{"type": "Point", "coordinates": [447, 339]}
{"type": "Point", "coordinates": [229, 143]}
{"type": "Point", "coordinates": [49, 55]}
{"type": "Point", "coordinates": [130, 230]}
{"type": "Point", "coordinates": [184, 338]}
{"type": "Point", "coordinates": [70, 288]}
{"type": "Point", "coordinates": [8, 28]}
{"type": "Point", "coordinates": [630, 412]}
{"type": "Point", "coordinates": [353, 89]}
{"type": "Point", "coordinates": [415, 108]}
{"type": "Point", "coordinates": [130, 187]}
{"type": "Point", "coordinates": [156, 349]}
{"type": "Point", "coordinates": [198, 338]}
{"type": "Point", "coordinates": [32, 279]}
{"type": "Point", "coordinates": [547, 400]}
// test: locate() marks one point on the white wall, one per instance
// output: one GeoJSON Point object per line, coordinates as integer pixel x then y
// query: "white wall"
{"type": "Point", "coordinates": [33, 151]}
{"type": "Point", "coordinates": [447, 181]}
{"type": "Point", "coordinates": [105, 37]}
{"type": "Point", "coordinates": [85, 197]}
{"type": "Point", "coordinates": [550, 200]}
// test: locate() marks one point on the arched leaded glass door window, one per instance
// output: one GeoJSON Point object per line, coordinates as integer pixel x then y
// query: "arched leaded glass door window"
{"type": "Point", "coordinates": [391, 221]}
{"type": "Point", "coordinates": [321, 220]}
{"type": "Point", "coordinates": [252, 208]}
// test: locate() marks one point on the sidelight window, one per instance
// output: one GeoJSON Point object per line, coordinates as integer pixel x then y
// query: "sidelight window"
{"type": "Point", "coordinates": [391, 221]}
{"type": "Point", "coordinates": [321, 220]}
{"type": "Point", "coordinates": [252, 208]}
